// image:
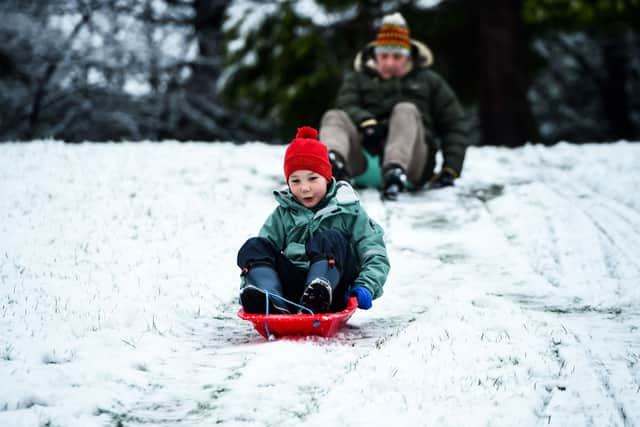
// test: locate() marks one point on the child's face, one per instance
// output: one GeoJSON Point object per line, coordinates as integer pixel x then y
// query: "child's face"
{"type": "Point", "coordinates": [308, 187]}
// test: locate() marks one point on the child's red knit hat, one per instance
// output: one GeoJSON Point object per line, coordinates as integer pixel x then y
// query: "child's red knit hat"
{"type": "Point", "coordinates": [306, 152]}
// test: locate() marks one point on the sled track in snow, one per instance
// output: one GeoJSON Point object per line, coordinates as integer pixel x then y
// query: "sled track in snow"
{"type": "Point", "coordinates": [610, 374]}
{"type": "Point", "coordinates": [227, 338]}
{"type": "Point", "coordinates": [594, 220]}
{"type": "Point", "coordinates": [209, 349]}
{"type": "Point", "coordinates": [237, 359]}
{"type": "Point", "coordinates": [615, 227]}
{"type": "Point", "coordinates": [522, 291]}
{"type": "Point", "coordinates": [217, 344]}
{"type": "Point", "coordinates": [604, 374]}
{"type": "Point", "coordinates": [617, 223]}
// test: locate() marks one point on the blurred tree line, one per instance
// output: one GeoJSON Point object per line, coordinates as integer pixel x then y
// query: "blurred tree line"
{"type": "Point", "coordinates": [525, 70]}
{"type": "Point", "coordinates": [116, 70]}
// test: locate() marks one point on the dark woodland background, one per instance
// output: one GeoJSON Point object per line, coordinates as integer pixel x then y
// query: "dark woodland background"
{"type": "Point", "coordinates": [215, 70]}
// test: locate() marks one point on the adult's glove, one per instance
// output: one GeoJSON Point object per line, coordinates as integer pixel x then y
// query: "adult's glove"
{"type": "Point", "coordinates": [363, 295]}
{"type": "Point", "coordinates": [444, 178]}
{"type": "Point", "coordinates": [373, 134]}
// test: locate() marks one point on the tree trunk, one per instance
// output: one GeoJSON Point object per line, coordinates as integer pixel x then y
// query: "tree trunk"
{"type": "Point", "coordinates": [50, 70]}
{"type": "Point", "coordinates": [209, 17]}
{"type": "Point", "coordinates": [501, 43]}
{"type": "Point", "coordinates": [615, 101]}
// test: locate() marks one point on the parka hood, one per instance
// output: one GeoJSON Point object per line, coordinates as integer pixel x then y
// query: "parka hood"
{"type": "Point", "coordinates": [339, 193]}
{"type": "Point", "coordinates": [421, 56]}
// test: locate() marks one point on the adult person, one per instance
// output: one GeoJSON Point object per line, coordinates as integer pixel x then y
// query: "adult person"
{"type": "Point", "coordinates": [389, 111]}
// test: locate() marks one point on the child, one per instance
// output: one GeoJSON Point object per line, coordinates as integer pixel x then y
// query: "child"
{"type": "Point", "coordinates": [318, 247]}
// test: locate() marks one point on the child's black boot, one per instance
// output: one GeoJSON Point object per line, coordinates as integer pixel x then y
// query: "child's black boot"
{"type": "Point", "coordinates": [322, 279]}
{"type": "Point", "coordinates": [260, 281]}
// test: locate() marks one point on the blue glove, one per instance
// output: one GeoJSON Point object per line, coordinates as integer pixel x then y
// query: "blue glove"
{"type": "Point", "coordinates": [363, 295]}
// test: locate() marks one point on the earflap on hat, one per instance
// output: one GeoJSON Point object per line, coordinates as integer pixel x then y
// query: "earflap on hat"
{"type": "Point", "coordinates": [307, 153]}
{"type": "Point", "coordinates": [393, 36]}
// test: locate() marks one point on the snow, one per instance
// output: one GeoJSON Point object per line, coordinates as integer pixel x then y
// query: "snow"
{"type": "Point", "coordinates": [319, 16]}
{"type": "Point", "coordinates": [247, 16]}
{"type": "Point", "coordinates": [425, 4]}
{"type": "Point", "coordinates": [120, 39]}
{"type": "Point", "coordinates": [513, 297]}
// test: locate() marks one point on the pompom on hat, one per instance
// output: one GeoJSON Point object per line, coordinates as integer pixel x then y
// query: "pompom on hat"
{"type": "Point", "coordinates": [306, 152]}
{"type": "Point", "coordinates": [393, 36]}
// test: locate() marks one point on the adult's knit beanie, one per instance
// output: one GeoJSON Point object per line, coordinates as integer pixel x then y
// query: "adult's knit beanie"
{"type": "Point", "coordinates": [393, 36]}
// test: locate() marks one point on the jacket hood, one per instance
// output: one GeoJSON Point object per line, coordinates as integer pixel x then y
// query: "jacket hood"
{"type": "Point", "coordinates": [421, 56]}
{"type": "Point", "coordinates": [339, 193]}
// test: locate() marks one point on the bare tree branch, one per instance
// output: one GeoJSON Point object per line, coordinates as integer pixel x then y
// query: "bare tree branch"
{"type": "Point", "coordinates": [48, 74]}
{"type": "Point", "coordinates": [579, 57]}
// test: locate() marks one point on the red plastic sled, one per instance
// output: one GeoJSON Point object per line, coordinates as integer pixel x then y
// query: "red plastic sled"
{"type": "Point", "coordinates": [278, 325]}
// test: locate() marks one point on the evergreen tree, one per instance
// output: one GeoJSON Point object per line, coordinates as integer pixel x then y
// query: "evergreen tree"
{"type": "Point", "coordinates": [289, 66]}
{"type": "Point", "coordinates": [589, 86]}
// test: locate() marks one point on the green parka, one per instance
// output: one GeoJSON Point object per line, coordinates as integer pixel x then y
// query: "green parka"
{"type": "Point", "coordinates": [364, 95]}
{"type": "Point", "coordinates": [291, 225]}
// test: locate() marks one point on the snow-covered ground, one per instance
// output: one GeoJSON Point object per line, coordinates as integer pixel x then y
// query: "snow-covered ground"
{"type": "Point", "coordinates": [513, 298]}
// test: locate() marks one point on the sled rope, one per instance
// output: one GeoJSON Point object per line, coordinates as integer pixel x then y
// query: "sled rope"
{"type": "Point", "coordinates": [266, 321]}
{"type": "Point", "coordinates": [281, 298]}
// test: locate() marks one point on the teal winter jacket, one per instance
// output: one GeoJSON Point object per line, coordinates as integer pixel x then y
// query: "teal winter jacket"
{"type": "Point", "coordinates": [291, 225]}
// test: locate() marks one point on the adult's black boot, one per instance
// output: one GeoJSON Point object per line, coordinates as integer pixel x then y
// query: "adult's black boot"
{"type": "Point", "coordinates": [322, 279]}
{"type": "Point", "coordinates": [339, 167]}
{"type": "Point", "coordinates": [261, 282]}
{"type": "Point", "coordinates": [394, 182]}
